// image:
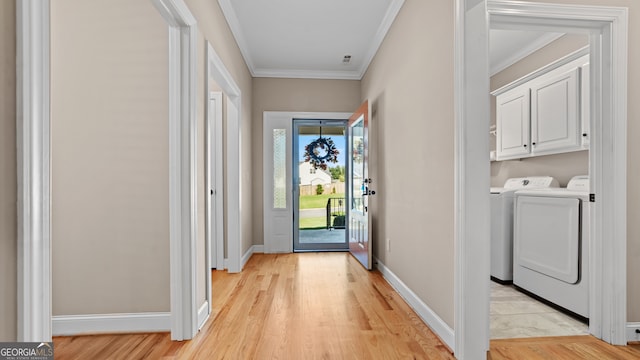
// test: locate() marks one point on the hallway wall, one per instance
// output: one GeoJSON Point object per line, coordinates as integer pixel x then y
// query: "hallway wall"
{"type": "Point", "coordinates": [308, 95]}
{"type": "Point", "coordinates": [410, 84]}
{"type": "Point", "coordinates": [213, 28]}
{"type": "Point", "coordinates": [8, 182]}
{"type": "Point", "coordinates": [110, 183]}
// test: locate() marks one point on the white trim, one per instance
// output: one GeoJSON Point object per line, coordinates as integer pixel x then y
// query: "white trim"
{"type": "Point", "coordinates": [430, 317]}
{"type": "Point", "coordinates": [255, 249]}
{"type": "Point", "coordinates": [215, 180]}
{"type": "Point", "coordinates": [247, 255]}
{"type": "Point", "coordinates": [374, 45]}
{"type": "Point", "coordinates": [608, 29]}
{"type": "Point", "coordinates": [307, 74]}
{"type": "Point", "coordinates": [203, 313]}
{"type": "Point", "coordinates": [378, 38]}
{"type": "Point", "coordinates": [183, 36]}
{"type": "Point", "coordinates": [218, 71]}
{"type": "Point", "coordinates": [33, 159]}
{"type": "Point", "coordinates": [529, 49]}
{"type": "Point", "coordinates": [214, 219]}
{"type": "Point", "coordinates": [71, 325]}
{"type": "Point", "coordinates": [271, 119]}
{"type": "Point", "coordinates": [238, 34]}
{"type": "Point", "coordinates": [633, 332]}
{"type": "Point", "coordinates": [471, 199]}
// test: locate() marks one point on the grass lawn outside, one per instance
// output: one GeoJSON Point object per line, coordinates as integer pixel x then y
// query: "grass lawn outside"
{"type": "Point", "coordinates": [313, 223]}
{"type": "Point", "coordinates": [316, 201]}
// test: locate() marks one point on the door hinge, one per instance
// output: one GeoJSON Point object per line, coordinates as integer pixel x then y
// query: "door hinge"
{"type": "Point", "coordinates": [592, 197]}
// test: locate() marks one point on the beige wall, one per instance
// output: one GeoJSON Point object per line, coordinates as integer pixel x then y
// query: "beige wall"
{"type": "Point", "coordinates": [273, 94]}
{"type": "Point", "coordinates": [410, 84]}
{"type": "Point", "coordinates": [109, 123]}
{"type": "Point", "coordinates": [8, 185]}
{"type": "Point", "coordinates": [213, 26]}
{"type": "Point", "coordinates": [633, 149]}
{"type": "Point", "coordinates": [560, 166]}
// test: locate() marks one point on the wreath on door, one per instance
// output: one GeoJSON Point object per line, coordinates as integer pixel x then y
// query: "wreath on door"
{"type": "Point", "coordinates": [321, 151]}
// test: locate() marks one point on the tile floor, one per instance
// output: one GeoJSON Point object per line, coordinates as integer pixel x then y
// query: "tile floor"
{"type": "Point", "coordinates": [516, 315]}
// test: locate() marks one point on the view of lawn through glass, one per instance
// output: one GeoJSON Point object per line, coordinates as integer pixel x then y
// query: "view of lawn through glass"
{"type": "Point", "coordinates": [320, 153]}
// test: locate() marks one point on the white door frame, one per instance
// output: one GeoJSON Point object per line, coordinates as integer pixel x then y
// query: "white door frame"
{"type": "Point", "coordinates": [215, 185]}
{"type": "Point", "coordinates": [216, 70]}
{"type": "Point", "coordinates": [33, 139]}
{"type": "Point", "coordinates": [183, 36]}
{"type": "Point", "coordinates": [34, 176]}
{"type": "Point", "coordinates": [607, 27]}
{"type": "Point", "coordinates": [282, 119]}
{"type": "Point", "coordinates": [214, 226]}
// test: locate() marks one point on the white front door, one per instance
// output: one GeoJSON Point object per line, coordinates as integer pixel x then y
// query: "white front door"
{"type": "Point", "coordinates": [358, 227]}
{"type": "Point", "coordinates": [278, 176]}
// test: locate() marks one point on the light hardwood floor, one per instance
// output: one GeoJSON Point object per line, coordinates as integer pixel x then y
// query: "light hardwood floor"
{"type": "Point", "coordinates": [313, 306]}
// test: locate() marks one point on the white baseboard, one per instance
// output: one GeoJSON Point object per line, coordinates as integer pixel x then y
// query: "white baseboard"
{"type": "Point", "coordinates": [246, 257]}
{"type": "Point", "coordinates": [67, 325]}
{"type": "Point", "coordinates": [255, 249]}
{"type": "Point", "coordinates": [439, 327]}
{"type": "Point", "coordinates": [632, 335]}
{"type": "Point", "coordinates": [203, 314]}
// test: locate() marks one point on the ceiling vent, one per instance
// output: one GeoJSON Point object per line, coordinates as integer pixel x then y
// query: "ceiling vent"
{"type": "Point", "coordinates": [346, 59]}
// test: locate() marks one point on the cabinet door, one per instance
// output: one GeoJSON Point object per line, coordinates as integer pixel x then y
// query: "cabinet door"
{"type": "Point", "coordinates": [512, 120]}
{"type": "Point", "coordinates": [555, 122]}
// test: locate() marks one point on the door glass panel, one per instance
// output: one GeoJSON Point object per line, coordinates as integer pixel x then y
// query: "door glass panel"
{"type": "Point", "coordinates": [279, 169]}
{"type": "Point", "coordinates": [320, 184]}
{"type": "Point", "coordinates": [358, 226]}
{"type": "Point", "coordinates": [357, 166]}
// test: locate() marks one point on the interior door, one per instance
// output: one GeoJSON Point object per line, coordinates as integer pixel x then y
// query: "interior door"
{"type": "Point", "coordinates": [360, 186]}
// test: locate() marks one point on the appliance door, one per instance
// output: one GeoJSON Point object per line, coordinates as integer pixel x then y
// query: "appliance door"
{"type": "Point", "coordinates": [547, 236]}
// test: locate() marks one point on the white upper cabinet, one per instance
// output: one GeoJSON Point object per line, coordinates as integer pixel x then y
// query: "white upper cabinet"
{"type": "Point", "coordinates": [513, 117]}
{"type": "Point", "coordinates": [555, 124]}
{"type": "Point", "coordinates": [545, 112]}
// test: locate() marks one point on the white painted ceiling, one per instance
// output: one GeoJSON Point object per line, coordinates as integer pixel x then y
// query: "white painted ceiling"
{"type": "Point", "coordinates": [310, 38]}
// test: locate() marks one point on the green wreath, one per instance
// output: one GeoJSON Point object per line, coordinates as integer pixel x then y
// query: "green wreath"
{"type": "Point", "coordinates": [321, 151]}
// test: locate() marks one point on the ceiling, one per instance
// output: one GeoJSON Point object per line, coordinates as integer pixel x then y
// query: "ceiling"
{"type": "Point", "coordinates": [310, 38]}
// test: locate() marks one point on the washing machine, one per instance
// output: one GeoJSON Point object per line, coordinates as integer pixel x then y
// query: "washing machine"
{"type": "Point", "coordinates": [502, 223]}
{"type": "Point", "coordinates": [551, 244]}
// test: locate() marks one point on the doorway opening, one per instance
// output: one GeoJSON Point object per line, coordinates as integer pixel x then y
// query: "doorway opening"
{"type": "Point", "coordinates": [320, 185]}
{"type": "Point", "coordinates": [607, 31]}
{"type": "Point", "coordinates": [540, 62]}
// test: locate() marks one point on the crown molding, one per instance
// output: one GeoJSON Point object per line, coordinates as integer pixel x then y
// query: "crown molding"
{"type": "Point", "coordinates": [376, 41]}
{"type": "Point", "coordinates": [238, 34]}
{"type": "Point", "coordinates": [307, 74]}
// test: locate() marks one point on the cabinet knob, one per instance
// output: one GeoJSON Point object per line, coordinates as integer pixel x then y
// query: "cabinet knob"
{"type": "Point", "coordinates": [584, 135]}
{"type": "Point", "coordinates": [534, 144]}
{"type": "Point", "coordinates": [525, 145]}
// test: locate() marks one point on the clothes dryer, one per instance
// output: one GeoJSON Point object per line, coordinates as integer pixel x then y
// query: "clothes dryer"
{"type": "Point", "coordinates": [551, 244]}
